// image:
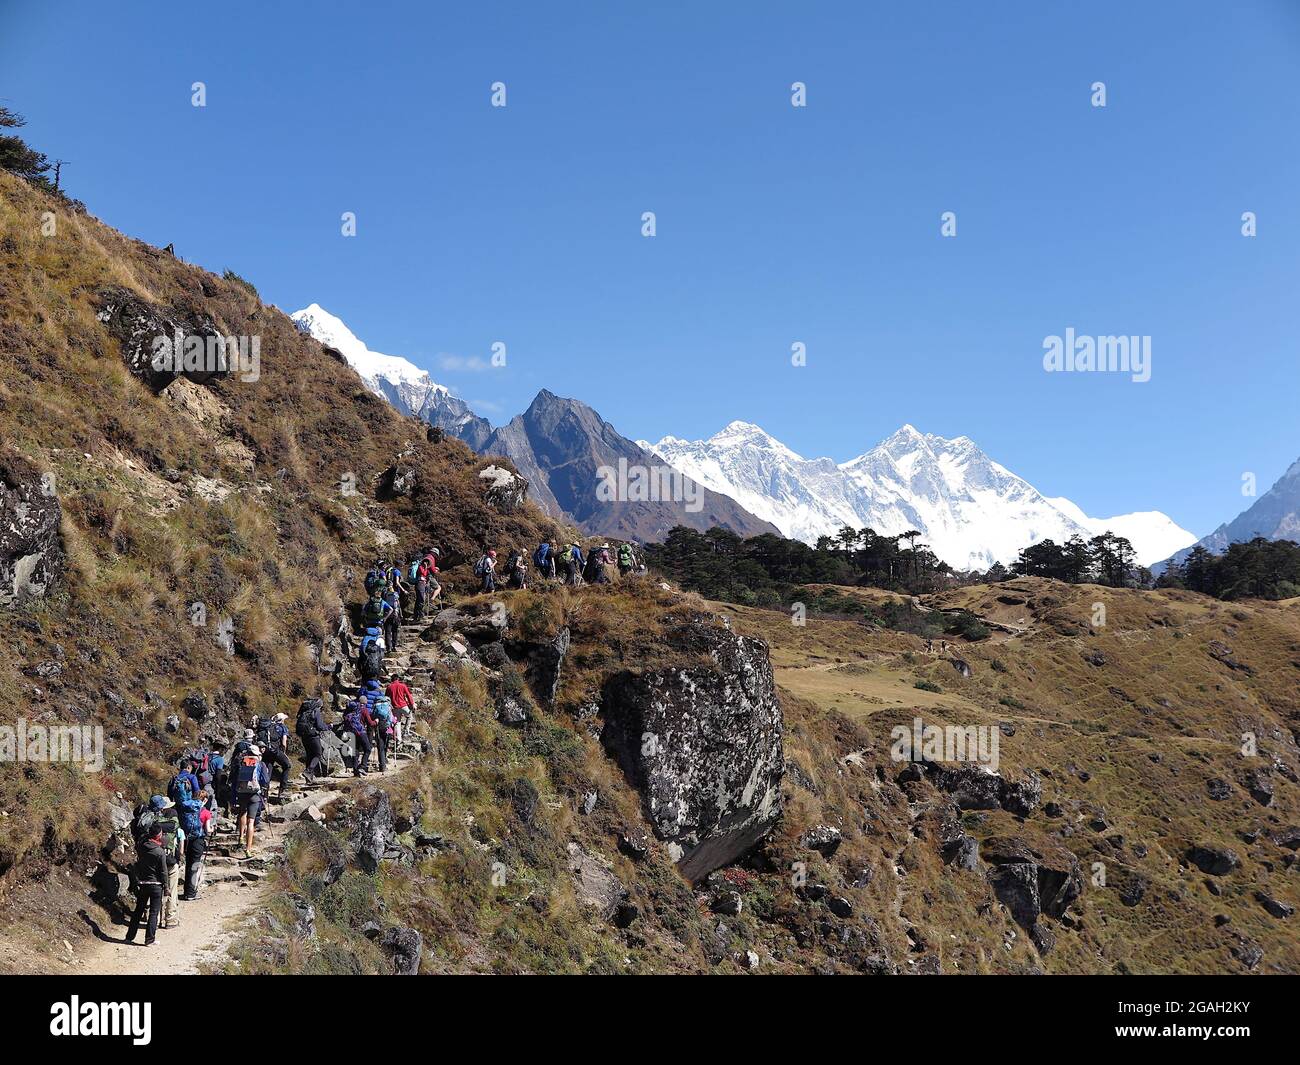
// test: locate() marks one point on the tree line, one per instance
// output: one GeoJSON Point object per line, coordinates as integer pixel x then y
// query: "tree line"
{"type": "Point", "coordinates": [1253, 569]}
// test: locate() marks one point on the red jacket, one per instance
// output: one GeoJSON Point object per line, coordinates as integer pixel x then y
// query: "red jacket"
{"type": "Point", "coordinates": [399, 694]}
{"type": "Point", "coordinates": [428, 567]}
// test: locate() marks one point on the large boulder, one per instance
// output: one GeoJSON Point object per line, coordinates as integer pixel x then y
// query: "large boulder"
{"type": "Point", "coordinates": [503, 489]}
{"type": "Point", "coordinates": [404, 947]}
{"type": "Point", "coordinates": [703, 746]}
{"type": "Point", "coordinates": [1032, 883]}
{"type": "Point", "coordinates": [31, 551]}
{"type": "Point", "coordinates": [139, 326]}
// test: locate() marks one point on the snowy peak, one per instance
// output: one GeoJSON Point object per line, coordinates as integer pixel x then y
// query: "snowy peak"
{"type": "Point", "coordinates": [971, 510]}
{"type": "Point", "coordinates": [396, 379]}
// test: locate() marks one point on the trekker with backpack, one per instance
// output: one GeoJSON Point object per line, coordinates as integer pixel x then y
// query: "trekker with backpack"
{"type": "Point", "coordinates": [544, 560]}
{"type": "Point", "coordinates": [486, 570]}
{"type": "Point", "coordinates": [427, 588]}
{"type": "Point", "coordinates": [576, 564]}
{"type": "Point", "coordinates": [168, 824]}
{"type": "Point", "coordinates": [370, 659]}
{"type": "Point", "coordinates": [403, 702]}
{"type": "Point", "coordinates": [517, 570]}
{"type": "Point", "coordinates": [381, 711]}
{"type": "Point", "coordinates": [358, 721]}
{"type": "Point", "coordinates": [152, 871]}
{"type": "Point", "coordinates": [598, 564]}
{"type": "Point", "coordinates": [272, 735]}
{"type": "Point", "coordinates": [195, 843]}
{"type": "Point", "coordinates": [626, 561]}
{"type": "Point", "coordinates": [375, 612]}
{"type": "Point", "coordinates": [251, 779]}
{"type": "Point", "coordinates": [220, 778]}
{"type": "Point", "coordinates": [393, 619]}
{"type": "Point", "coordinates": [309, 726]}
{"type": "Point", "coordinates": [376, 579]}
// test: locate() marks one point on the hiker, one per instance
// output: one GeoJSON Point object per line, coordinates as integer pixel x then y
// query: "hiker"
{"type": "Point", "coordinates": [393, 619]}
{"type": "Point", "coordinates": [375, 612]}
{"type": "Point", "coordinates": [251, 779]}
{"type": "Point", "coordinates": [195, 843]}
{"type": "Point", "coordinates": [220, 778]}
{"type": "Point", "coordinates": [358, 721]}
{"type": "Point", "coordinates": [370, 659]}
{"type": "Point", "coordinates": [626, 561]}
{"type": "Point", "coordinates": [576, 564]}
{"type": "Point", "coordinates": [564, 563]}
{"type": "Point", "coordinates": [598, 563]}
{"type": "Point", "coordinates": [544, 559]}
{"type": "Point", "coordinates": [403, 702]}
{"type": "Point", "coordinates": [516, 570]}
{"type": "Point", "coordinates": [309, 726]}
{"type": "Point", "coordinates": [486, 570]}
{"type": "Point", "coordinates": [427, 588]}
{"type": "Point", "coordinates": [272, 736]}
{"type": "Point", "coordinates": [153, 867]}
{"type": "Point", "coordinates": [397, 584]}
{"type": "Point", "coordinates": [168, 824]}
{"type": "Point", "coordinates": [184, 784]}
{"type": "Point", "coordinates": [381, 712]}
{"type": "Point", "coordinates": [376, 580]}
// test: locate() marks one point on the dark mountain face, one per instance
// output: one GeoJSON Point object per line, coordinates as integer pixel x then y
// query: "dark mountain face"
{"type": "Point", "coordinates": [580, 467]}
{"type": "Point", "coordinates": [1275, 516]}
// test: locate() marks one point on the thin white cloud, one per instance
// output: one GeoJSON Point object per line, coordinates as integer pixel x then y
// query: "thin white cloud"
{"type": "Point", "coordinates": [463, 363]}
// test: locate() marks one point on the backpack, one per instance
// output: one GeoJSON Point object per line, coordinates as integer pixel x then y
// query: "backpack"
{"type": "Point", "coordinates": [373, 612]}
{"type": "Point", "coordinates": [625, 555]}
{"type": "Point", "coordinates": [372, 660]}
{"type": "Point", "coordinates": [246, 782]}
{"type": "Point", "coordinates": [374, 580]}
{"type": "Point", "coordinates": [199, 757]}
{"type": "Point", "coordinates": [539, 556]}
{"type": "Point", "coordinates": [144, 823]}
{"type": "Point", "coordinates": [481, 567]}
{"type": "Point", "coordinates": [575, 554]}
{"type": "Point", "coordinates": [383, 711]}
{"type": "Point", "coordinates": [414, 571]}
{"type": "Point", "coordinates": [354, 722]}
{"type": "Point", "coordinates": [305, 726]}
{"type": "Point", "coordinates": [269, 736]}
{"type": "Point", "coordinates": [180, 789]}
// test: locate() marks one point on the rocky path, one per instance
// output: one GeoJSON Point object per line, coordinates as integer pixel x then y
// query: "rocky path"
{"type": "Point", "coordinates": [235, 887]}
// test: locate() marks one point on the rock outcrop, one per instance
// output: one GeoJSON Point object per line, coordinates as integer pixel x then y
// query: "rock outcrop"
{"type": "Point", "coordinates": [138, 325]}
{"type": "Point", "coordinates": [703, 746]}
{"type": "Point", "coordinates": [31, 550]}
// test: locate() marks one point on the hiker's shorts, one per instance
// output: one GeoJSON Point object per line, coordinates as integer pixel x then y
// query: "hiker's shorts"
{"type": "Point", "coordinates": [249, 804]}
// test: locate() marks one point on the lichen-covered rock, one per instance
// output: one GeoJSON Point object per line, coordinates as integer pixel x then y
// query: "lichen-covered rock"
{"type": "Point", "coordinates": [703, 746]}
{"type": "Point", "coordinates": [404, 947]}
{"type": "Point", "coordinates": [504, 489]}
{"type": "Point", "coordinates": [31, 551]}
{"type": "Point", "coordinates": [138, 325]}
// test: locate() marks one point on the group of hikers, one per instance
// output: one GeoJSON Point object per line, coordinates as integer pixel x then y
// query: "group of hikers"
{"type": "Point", "coordinates": [567, 565]}
{"type": "Point", "coordinates": [172, 831]}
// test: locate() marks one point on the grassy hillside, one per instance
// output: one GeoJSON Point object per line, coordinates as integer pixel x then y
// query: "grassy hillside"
{"type": "Point", "coordinates": [231, 495]}
{"type": "Point", "coordinates": [1133, 725]}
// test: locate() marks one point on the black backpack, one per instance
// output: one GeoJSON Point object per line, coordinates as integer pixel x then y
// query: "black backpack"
{"type": "Point", "coordinates": [305, 726]}
{"type": "Point", "coordinates": [372, 661]}
{"type": "Point", "coordinates": [144, 823]}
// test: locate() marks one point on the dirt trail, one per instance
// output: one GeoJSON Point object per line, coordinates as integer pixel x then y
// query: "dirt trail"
{"type": "Point", "coordinates": [234, 889]}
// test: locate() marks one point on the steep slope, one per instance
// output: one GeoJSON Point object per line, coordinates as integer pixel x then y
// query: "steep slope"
{"type": "Point", "coordinates": [199, 536]}
{"type": "Point", "coordinates": [1275, 516]}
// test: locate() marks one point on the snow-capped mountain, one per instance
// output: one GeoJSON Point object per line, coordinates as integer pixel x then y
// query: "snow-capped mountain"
{"type": "Point", "coordinates": [1154, 535]}
{"type": "Point", "coordinates": [398, 380]}
{"type": "Point", "coordinates": [969, 509]}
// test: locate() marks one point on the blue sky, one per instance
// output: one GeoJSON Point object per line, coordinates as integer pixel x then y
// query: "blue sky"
{"type": "Point", "coordinates": [775, 224]}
